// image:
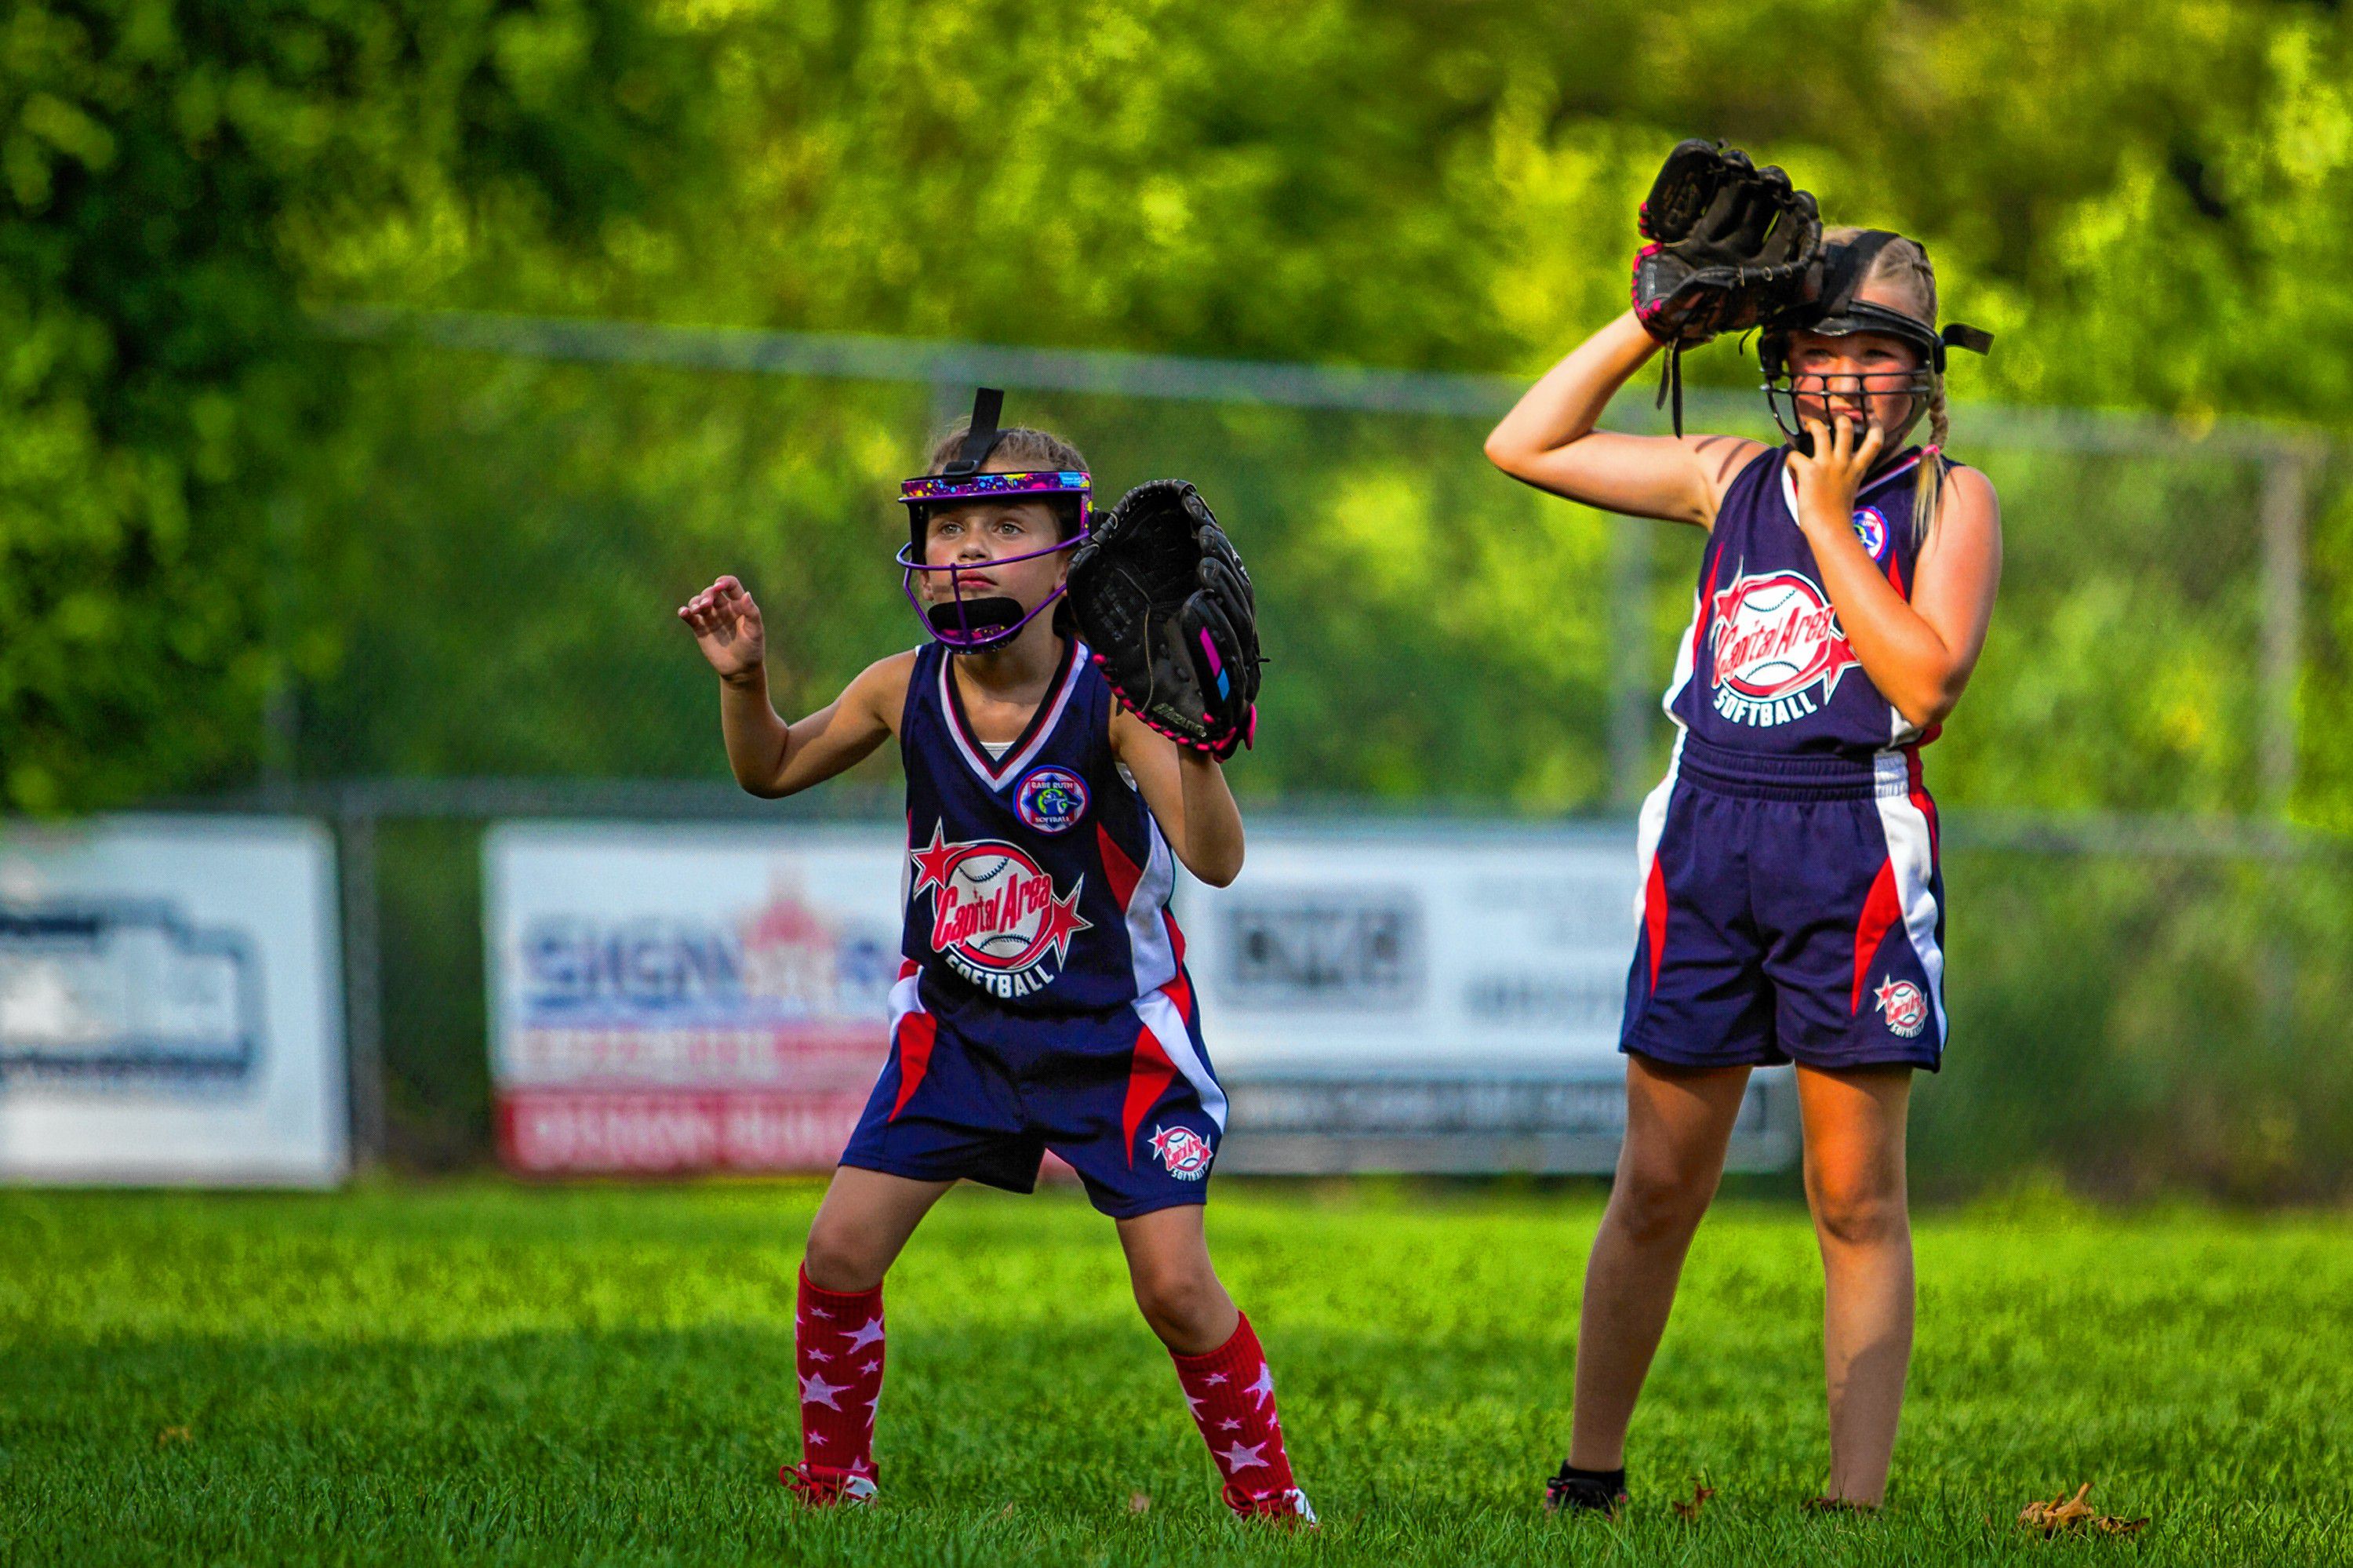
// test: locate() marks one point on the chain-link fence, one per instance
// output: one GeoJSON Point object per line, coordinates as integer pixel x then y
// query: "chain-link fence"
{"type": "Point", "coordinates": [476, 623]}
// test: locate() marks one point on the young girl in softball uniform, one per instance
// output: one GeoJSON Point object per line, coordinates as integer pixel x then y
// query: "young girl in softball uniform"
{"type": "Point", "coordinates": [1790, 907]}
{"type": "Point", "coordinates": [1042, 1001]}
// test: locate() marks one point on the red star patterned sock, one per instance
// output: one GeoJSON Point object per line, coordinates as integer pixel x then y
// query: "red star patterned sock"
{"type": "Point", "coordinates": [1232, 1395]}
{"type": "Point", "coordinates": [838, 1344]}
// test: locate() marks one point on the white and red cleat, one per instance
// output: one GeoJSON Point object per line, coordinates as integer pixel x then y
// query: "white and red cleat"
{"type": "Point", "coordinates": [820, 1487]}
{"type": "Point", "coordinates": [1289, 1507]}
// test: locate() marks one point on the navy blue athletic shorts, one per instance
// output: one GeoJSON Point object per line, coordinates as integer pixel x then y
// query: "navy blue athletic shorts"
{"type": "Point", "coordinates": [976, 1091]}
{"type": "Point", "coordinates": [1791, 909]}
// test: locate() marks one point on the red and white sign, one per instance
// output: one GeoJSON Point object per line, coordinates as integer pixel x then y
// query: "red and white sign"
{"type": "Point", "coordinates": [668, 1001]}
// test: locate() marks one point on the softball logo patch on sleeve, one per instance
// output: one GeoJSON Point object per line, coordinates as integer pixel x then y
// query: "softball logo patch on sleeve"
{"type": "Point", "coordinates": [1871, 527]}
{"type": "Point", "coordinates": [1184, 1153]}
{"type": "Point", "coordinates": [1902, 1006]}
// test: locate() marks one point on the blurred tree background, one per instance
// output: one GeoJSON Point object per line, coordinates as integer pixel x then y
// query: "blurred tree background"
{"type": "Point", "coordinates": [232, 546]}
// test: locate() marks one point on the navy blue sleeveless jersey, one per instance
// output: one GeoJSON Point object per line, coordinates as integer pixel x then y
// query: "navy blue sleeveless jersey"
{"type": "Point", "coordinates": [1038, 882]}
{"type": "Point", "coordinates": [1766, 667]}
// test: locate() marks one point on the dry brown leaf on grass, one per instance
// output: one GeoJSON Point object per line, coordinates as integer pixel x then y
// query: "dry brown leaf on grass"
{"type": "Point", "coordinates": [1139, 1502]}
{"type": "Point", "coordinates": [173, 1434]}
{"type": "Point", "coordinates": [2062, 1516]}
{"type": "Point", "coordinates": [1689, 1511]}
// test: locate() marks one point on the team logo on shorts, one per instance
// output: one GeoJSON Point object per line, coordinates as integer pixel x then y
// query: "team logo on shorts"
{"type": "Point", "coordinates": [1900, 1004]}
{"type": "Point", "coordinates": [1185, 1153]}
{"type": "Point", "coordinates": [1871, 527]}
{"type": "Point", "coordinates": [1051, 799]}
{"type": "Point", "coordinates": [1775, 639]}
{"type": "Point", "coordinates": [996, 919]}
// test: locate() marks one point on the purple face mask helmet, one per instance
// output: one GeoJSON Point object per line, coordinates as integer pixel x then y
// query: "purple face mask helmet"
{"type": "Point", "coordinates": [1835, 312]}
{"type": "Point", "coordinates": [970, 625]}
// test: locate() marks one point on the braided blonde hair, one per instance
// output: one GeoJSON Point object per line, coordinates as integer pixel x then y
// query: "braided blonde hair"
{"type": "Point", "coordinates": [1903, 268]}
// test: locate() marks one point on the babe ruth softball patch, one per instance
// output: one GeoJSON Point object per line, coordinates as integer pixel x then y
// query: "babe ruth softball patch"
{"type": "Point", "coordinates": [1901, 1005]}
{"type": "Point", "coordinates": [1051, 799]}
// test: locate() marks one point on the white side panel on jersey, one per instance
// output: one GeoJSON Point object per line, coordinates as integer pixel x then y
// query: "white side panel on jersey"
{"type": "Point", "coordinates": [1651, 825]}
{"type": "Point", "coordinates": [1149, 948]}
{"type": "Point", "coordinates": [1910, 852]}
{"type": "Point", "coordinates": [1686, 661]}
{"type": "Point", "coordinates": [1167, 1025]}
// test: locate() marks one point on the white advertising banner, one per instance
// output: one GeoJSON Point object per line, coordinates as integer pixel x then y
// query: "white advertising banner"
{"type": "Point", "coordinates": [1430, 996]}
{"type": "Point", "coordinates": [676, 998]}
{"type": "Point", "coordinates": [170, 1002]}
{"type": "Point", "coordinates": [1416, 996]}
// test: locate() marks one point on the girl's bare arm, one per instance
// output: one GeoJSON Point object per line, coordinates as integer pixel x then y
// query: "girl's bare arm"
{"type": "Point", "coordinates": [1548, 439]}
{"type": "Point", "coordinates": [769, 757]}
{"type": "Point", "coordinates": [1185, 792]}
{"type": "Point", "coordinates": [1921, 652]}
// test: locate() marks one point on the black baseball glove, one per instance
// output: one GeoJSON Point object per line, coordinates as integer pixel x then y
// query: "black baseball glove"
{"type": "Point", "coordinates": [1731, 246]}
{"type": "Point", "coordinates": [1162, 600]}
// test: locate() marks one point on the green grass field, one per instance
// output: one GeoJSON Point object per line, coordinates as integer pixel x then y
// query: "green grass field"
{"type": "Point", "coordinates": [478, 1370]}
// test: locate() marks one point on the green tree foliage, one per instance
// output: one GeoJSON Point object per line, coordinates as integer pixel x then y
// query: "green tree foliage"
{"type": "Point", "coordinates": [171, 178]}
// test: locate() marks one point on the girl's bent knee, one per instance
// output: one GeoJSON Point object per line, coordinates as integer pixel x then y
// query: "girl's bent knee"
{"type": "Point", "coordinates": [839, 1263]}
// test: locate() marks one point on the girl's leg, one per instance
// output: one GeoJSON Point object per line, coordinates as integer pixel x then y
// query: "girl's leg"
{"type": "Point", "coordinates": [861, 1227]}
{"type": "Point", "coordinates": [838, 1338]}
{"type": "Point", "coordinates": [1220, 1364]}
{"type": "Point", "coordinates": [1678, 1123]}
{"type": "Point", "coordinates": [1854, 1182]}
{"type": "Point", "coordinates": [1175, 1286]}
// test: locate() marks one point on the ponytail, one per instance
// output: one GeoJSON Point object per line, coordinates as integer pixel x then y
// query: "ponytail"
{"type": "Point", "coordinates": [1928, 488]}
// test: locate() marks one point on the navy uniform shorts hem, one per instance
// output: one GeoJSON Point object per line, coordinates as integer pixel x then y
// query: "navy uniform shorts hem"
{"type": "Point", "coordinates": [1821, 1061]}
{"type": "Point", "coordinates": [918, 1171]}
{"type": "Point", "coordinates": [1149, 1203]}
{"type": "Point", "coordinates": [1755, 1056]}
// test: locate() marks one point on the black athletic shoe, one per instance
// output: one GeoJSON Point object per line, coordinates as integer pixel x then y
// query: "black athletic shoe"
{"type": "Point", "coordinates": [1586, 1491]}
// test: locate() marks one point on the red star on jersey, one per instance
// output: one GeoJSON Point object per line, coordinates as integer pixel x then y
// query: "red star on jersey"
{"type": "Point", "coordinates": [933, 864]}
{"type": "Point", "coordinates": [1064, 922]}
{"type": "Point", "coordinates": [1886, 994]}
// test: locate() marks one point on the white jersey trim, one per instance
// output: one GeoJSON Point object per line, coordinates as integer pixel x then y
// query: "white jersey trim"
{"type": "Point", "coordinates": [1167, 1025]}
{"type": "Point", "coordinates": [1150, 951]}
{"type": "Point", "coordinates": [1911, 852]}
{"type": "Point", "coordinates": [1789, 482]}
{"type": "Point", "coordinates": [997, 774]}
{"type": "Point", "coordinates": [1651, 826]}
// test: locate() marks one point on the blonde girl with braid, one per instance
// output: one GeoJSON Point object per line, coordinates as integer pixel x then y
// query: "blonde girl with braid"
{"type": "Point", "coordinates": [1791, 908]}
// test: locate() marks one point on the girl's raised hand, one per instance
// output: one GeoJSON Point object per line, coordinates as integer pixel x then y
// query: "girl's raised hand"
{"type": "Point", "coordinates": [726, 626]}
{"type": "Point", "coordinates": [1827, 481]}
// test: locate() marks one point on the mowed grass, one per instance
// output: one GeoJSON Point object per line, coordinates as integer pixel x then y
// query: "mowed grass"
{"type": "Point", "coordinates": [480, 1370]}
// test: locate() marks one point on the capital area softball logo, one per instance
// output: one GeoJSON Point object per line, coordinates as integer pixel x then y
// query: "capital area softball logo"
{"type": "Point", "coordinates": [1185, 1153]}
{"type": "Point", "coordinates": [1051, 799]}
{"type": "Point", "coordinates": [1776, 639]}
{"type": "Point", "coordinates": [1900, 1004]}
{"type": "Point", "coordinates": [996, 919]}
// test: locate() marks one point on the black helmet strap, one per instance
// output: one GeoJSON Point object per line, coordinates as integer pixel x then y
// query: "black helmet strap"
{"type": "Point", "coordinates": [981, 436]}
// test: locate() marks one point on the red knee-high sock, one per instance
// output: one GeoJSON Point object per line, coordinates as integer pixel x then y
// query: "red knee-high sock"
{"type": "Point", "coordinates": [1232, 1395]}
{"type": "Point", "coordinates": [838, 1344]}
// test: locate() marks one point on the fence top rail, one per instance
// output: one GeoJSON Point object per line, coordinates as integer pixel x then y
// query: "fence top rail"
{"type": "Point", "coordinates": [942, 362]}
{"type": "Point", "coordinates": [2153, 834]}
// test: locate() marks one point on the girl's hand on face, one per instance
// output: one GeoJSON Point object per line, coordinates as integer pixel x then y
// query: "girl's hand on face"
{"type": "Point", "coordinates": [726, 626]}
{"type": "Point", "coordinates": [1827, 482]}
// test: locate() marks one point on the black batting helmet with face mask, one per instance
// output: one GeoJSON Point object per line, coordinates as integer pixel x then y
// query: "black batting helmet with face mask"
{"type": "Point", "coordinates": [1836, 311]}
